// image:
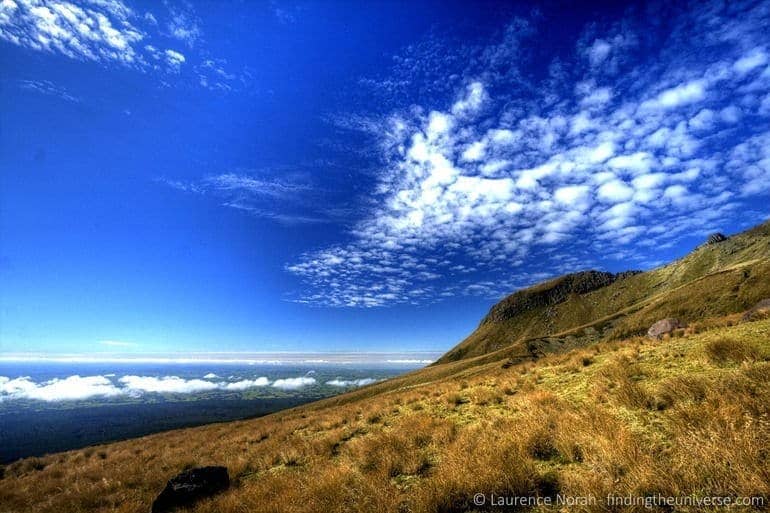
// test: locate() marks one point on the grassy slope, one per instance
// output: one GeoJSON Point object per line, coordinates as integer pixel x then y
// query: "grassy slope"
{"type": "Point", "coordinates": [685, 415]}
{"type": "Point", "coordinates": [712, 280]}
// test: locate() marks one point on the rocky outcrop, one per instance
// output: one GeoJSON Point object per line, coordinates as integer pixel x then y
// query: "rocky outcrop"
{"type": "Point", "coordinates": [663, 327]}
{"type": "Point", "coordinates": [190, 486]}
{"type": "Point", "coordinates": [552, 292]}
{"type": "Point", "coordinates": [716, 238]}
{"type": "Point", "coordinates": [758, 310]}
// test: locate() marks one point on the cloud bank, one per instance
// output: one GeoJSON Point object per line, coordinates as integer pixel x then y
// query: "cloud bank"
{"type": "Point", "coordinates": [646, 135]}
{"type": "Point", "coordinates": [85, 387]}
{"type": "Point", "coordinates": [351, 382]}
{"type": "Point", "coordinates": [294, 383]}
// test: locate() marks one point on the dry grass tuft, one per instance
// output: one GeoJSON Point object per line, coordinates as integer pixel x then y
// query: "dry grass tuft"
{"type": "Point", "coordinates": [724, 350]}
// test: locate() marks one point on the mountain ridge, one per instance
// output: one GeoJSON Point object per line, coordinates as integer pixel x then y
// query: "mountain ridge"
{"type": "Point", "coordinates": [628, 300]}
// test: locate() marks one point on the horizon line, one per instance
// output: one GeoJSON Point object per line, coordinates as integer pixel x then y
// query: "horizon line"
{"type": "Point", "coordinates": [251, 357]}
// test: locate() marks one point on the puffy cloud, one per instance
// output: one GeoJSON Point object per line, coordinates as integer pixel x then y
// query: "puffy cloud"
{"type": "Point", "coordinates": [754, 59]}
{"type": "Point", "coordinates": [246, 383]}
{"type": "Point", "coordinates": [614, 191]}
{"type": "Point", "coordinates": [351, 382]}
{"type": "Point", "coordinates": [683, 94]}
{"type": "Point", "coordinates": [639, 162]}
{"type": "Point", "coordinates": [174, 59]}
{"type": "Point", "coordinates": [171, 384]}
{"type": "Point", "coordinates": [571, 194]}
{"type": "Point", "coordinates": [703, 120]}
{"type": "Point", "coordinates": [472, 102]}
{"type": "Point", "coordinates": [70, 388]}
{"type": "Point", "coordinates": [294, 383]}
{"type": "Point", "coordinates": [598, 52]}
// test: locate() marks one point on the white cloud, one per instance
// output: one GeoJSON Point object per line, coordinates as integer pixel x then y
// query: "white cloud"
{"type": "Point", "coordinates": [246, 383]}
{"type": "Point", "coordinates": [598, 52]}
{"type": "Point", "coordinates": [183, 26]}
{"type": "Point", "coordinates": [571, 194]}
{"type": "Point", "coordinates": [351, 382]}
{"type": "Point", "coordinates": [602, 152]}
{"type": "Point", "coordinates": [639, 162]}
{"type": "Point", "coordinates": [683, 94]}
{"type": "Point", "coordinates": [70, 388]}
{"type": "Point", "coordinates": [703, 120]}
{"type": "Point", "coordinates": [475, 151]}
{"type": "Point", "coordinates": [171, 384]}
{"type": "Point", "coordinates": [210, 375]}
{"type": "Point", "coordinates": [754, 59]}
{"type": "Point", "coordinates": [472, 102]}
{"type": "Point", "coordinates": [615, 191]}
{"type": "Point", "coordinates": [650, 181]}
{"type": "Point", "coordinates": [730, 114]}
{"type": "Point", "coordinates": [675, 192]}
{"type": "Point", "coordinates": [294, 383]}
{"type": "Point", "coordinates": [174, 59]}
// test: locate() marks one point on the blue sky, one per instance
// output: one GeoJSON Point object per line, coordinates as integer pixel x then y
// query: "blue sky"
{"type": "Point", "coordinates": [321, 176]}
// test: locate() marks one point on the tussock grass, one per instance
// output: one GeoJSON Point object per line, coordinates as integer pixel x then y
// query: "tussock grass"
{"type": "Point", "coordinates": [724, 350]}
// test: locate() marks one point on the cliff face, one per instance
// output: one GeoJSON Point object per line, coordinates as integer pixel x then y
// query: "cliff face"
{"type": "Point", "coordinates": [550, 293]}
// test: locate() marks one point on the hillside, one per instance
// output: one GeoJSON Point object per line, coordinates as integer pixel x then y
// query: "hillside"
{"type": "Point", "coordinates": [581, 308]}
{"type": "Point", "coordinates": [525, 409]}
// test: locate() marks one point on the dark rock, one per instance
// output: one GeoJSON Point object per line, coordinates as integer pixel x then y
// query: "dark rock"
{"type": "Point", "coordinates": [664, 326]}
{"type": "Point", "coordinates": [715, 238]}
{"type": "Point", "coordinates": [191, 486]}
{"type": "Point", "coordinates": [761, 308]}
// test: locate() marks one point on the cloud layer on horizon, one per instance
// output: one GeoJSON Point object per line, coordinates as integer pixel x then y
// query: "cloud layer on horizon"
{"type": "Point", "coordinates": [633, 145]}
{"type": "Point", "coordinates": [84, 387]}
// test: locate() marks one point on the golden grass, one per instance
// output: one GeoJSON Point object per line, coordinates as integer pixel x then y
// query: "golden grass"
{"type": "Point", "coordinates": [690, 415]}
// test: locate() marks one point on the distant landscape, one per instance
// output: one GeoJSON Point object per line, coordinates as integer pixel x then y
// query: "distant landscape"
{"type": "Point", "coordinates": [48, 406]}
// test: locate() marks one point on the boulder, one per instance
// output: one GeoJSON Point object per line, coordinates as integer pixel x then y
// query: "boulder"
{"type": "Point", "coordinates": [664, 326]}
{"type": "Point", "coordinates": [715, 238]}
{"type": "Point", "coordinates": [761, 308]}
{"type": "Point", "coordinates": [191, 486]}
